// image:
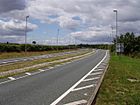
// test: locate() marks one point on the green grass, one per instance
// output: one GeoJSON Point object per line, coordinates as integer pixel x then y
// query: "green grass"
{"type": "Point", "coordinates": [19, 65]}
{"type": "Point", "coordinates": [34, 62]}
{"type": "Point", "coordinates": [116, 88]}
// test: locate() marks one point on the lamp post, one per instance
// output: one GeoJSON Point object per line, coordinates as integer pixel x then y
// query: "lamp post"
{"type": "Point", "coordinates": [57, 41]}
{"type": "Point", "coordinates": [116, 11]}
{"type": "Point", "coordinates": [111, 33]}
{"type": "Point", "coordinates": [26, 34]}
{"type": "Point", "coordinates": [57, 37]}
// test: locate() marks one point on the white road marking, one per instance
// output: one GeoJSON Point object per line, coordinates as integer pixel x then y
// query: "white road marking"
{"type": "Point", "coordinates": [15, 60]}
{"type": "Point", "coordinates": [22, 77]}
{"type": "Point", "coordinates": [50, 67]}
{"type": "Point", "coordinates": [11, 78]}
{"type": "Point", "coordinates": [85, 87]}
{"type": "Point", "coordinates": [41, 70]}
{"type": "Point", "coordinates": [85, 94]}
{"type": "Point", "coordinates": [97, 73]}
{"type": "Point", "coordinates": [5, 82]}
{"type": "Point", "coordinates": [24, 59]}
{"type": "Point", "coordinates": [90, 79]}
{"type": "Point", "coordinates": [103, 64]}
{"type": "Point", "coordinates": [4, 62]}
{"type": "Point", "coordinates": [77, 83]}
{"type": "Point", "coordinates": [99, 70]}
{"type": "Point", "coordinates": [57, 65]}
{"type": "Point", "coordinates": [28, 73]}
{"type": "Point", "coordinates": [77, 102]}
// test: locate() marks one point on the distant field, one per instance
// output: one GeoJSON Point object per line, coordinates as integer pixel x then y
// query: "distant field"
{"type": "Point", "coordinates": [121, 85]}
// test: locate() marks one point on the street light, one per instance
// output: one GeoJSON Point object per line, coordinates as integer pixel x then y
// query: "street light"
{"type": "Point", "coordinates": [57, 37]}
{"type": "Point", "coordinates": [112, 33]}
{"type": "Point", "coordinates": [116, 11]}
{"type": "Point", "coordinates": [116, 21]}
{"type": "Point", "coordinates": [26, 34]}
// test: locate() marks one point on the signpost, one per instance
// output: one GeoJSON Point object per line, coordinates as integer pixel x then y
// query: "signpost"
{"type": "Point", "coordinates": [119, 47]}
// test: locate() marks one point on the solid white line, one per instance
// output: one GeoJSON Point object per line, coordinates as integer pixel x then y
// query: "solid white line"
{"type": "Point", "coordinates": [28, 73]}
{"type": "Point", "coordinates": [77, 102]}
{"type": "Point", "coordinates": [77, 83]}
{"type": "Point", "coordinates": [96, 73]}
{"type": "Point", "coordinates": [85, 87]}
{"type": "Point", "coordinates": [11, 78]}
{"type": "Point", "coordinates": [90, 79]}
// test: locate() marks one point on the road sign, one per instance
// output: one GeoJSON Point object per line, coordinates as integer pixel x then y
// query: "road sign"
{"type": "Point", "coordinates": [119, 47]}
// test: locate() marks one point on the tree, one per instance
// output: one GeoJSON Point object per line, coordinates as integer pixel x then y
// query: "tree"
{"type": "Point", "coordinates": [34, 42]}
{"type": "Point", "coordinates": [131, 43]}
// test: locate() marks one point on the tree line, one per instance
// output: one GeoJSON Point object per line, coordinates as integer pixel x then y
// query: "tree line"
{"type": "Point", "coordinates": [131, 43]}
{"type": "Point", "coordinates": [13, 47]}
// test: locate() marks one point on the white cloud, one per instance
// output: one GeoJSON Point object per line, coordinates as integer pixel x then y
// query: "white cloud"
{"type": "Point", "coordinates": [97, 14]}
{"type": "Point", "coordinates": [14, 30]}
{"type": "Point", "coordinates": [94, 34]}
{"type": "Point", "coordinates": [15, 27]}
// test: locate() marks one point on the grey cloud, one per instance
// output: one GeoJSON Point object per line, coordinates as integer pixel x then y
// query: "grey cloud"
{"type": "Point", "coordinates": [9, 5]}
{"type": "Point", "coordinates": [15, 27]}
{"type": "Point", "coordinates": [129, 27]}
{"type": "Point", "coordinates": [91, 13]}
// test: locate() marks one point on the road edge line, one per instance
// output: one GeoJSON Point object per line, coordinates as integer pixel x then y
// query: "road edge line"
{"type": "Point", "coordinates": [77, 83]}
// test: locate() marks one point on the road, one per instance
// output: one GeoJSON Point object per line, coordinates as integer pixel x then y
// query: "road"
{"type": "Point", "coordinates": [46, 87]}
{"type": "Point", "coordinates": [22, 59]}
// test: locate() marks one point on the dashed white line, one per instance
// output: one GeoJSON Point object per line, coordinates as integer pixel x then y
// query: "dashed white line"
{"type": "Point", "coordinates": [4, 62]}
{"type": "Point", "coordinates": [85, 87]}
{"type": "Point", "coordinates": [57, 65]}
{"type": "Point", "coordinates": [28, 73]}
{"type": "Point", "coordinates": [77, 102]}
{"type": "Point", "coordinates": [11, 78]}
{"type": "Point", "coordinates": [90, 79]}
{"type": "Point", "coordinates": [41, 70]}
{"type": "Point", "coordinates": [50, 67]}
{"type": "Point", "coordinates": [6, 82]}
{"type": "Point", "coordinates": [15, 60]}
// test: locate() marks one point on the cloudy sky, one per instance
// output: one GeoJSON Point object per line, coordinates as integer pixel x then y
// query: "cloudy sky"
{"type": "Point", "coordinates": [79, 21]}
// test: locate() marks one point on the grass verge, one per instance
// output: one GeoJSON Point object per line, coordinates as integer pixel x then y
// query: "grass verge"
{"type": "Point", "coordinates": [15, 66]}
{"type": "Point", "coordinates": [22, 54]}
{"type": "Point", "coordinates": [19, 65]}
{"type": "Point", "coordinates": [121, 84]}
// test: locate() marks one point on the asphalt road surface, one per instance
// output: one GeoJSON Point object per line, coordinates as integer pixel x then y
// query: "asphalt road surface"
{"type": "Point", "coordinates": [44, 88]}
{"type": "Point", "coordinates": [13, 60]}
